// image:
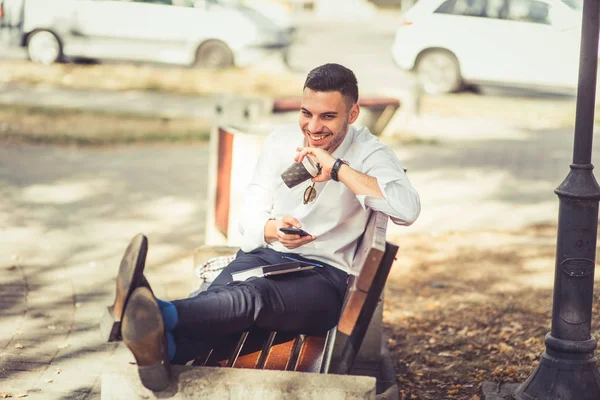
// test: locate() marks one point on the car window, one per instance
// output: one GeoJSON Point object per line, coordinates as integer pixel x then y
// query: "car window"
{"type": "Point", "coordinates": [529, 11]}
{"type": "Point", "coordinates": [574, 4]}
{"type": "Point", "coordinates": [514, 10]}
{"type": "Point", "coordinates": [184, 3]}
{"type": "Point", "coordinates": [168, 2]}
{"type": "Point", "coordinates": [475, 8]}
{"type": "Point", "coordinates": [471, 8]}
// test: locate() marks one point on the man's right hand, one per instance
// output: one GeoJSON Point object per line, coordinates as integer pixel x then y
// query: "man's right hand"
{"type": "Point", "coordinates": [272, 233]}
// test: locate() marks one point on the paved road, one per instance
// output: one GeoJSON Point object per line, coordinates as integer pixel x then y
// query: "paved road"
{"type": "Point", "coordinates": [67, 217]}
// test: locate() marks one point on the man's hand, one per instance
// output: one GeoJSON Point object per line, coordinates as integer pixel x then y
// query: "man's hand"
{"type": "Point", "coordinates": [272, 233]}
{"type": "Point", "coordinates": [320, 156]}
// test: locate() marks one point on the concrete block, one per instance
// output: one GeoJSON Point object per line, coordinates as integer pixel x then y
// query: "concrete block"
{"type": "Point", "coordinates": [498, 391]}
{"type": "Point", "coordinates": [122, 382]}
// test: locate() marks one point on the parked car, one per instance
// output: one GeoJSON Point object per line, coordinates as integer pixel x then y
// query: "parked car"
{"type": "Point", "coordinates": [186, 32]}
{"type": "Point", "coordinates": [519, 43]}
{"type": "Point", "coordinates": [274, 10]}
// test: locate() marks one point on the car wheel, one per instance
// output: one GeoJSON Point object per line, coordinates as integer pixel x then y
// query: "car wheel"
{"type": "Point", "coordinates": [438, 71]}
{"type": "Point", "coordinates": [44, 47]}
{"type": "Point", "coordinates": [214, 54]}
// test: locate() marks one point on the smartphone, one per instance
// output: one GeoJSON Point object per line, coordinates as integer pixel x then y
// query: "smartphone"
{"type": "Point", "coordinates": [294, 231]}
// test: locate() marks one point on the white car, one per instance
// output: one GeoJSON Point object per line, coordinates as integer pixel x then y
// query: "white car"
{"type": "Point", "coordinates": [520, 43]}
{"type": "Point", "coordinates": [185, 32]}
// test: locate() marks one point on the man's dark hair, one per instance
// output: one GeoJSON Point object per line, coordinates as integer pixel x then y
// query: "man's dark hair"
{"type": "Point", "coordinates": [333, 78]}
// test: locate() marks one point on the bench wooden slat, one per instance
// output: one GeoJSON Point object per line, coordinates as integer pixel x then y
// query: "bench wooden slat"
{"type": "Point", "coordinates": [252, 352]}
{"type": "Point", "coordinates": [223, 192]}
{"type": "Point", "coordinates": [356, 299]}
{"type": "Point", "coordinates": [370, 250]}
{"type": "Point", "coordinates": [247, 359]}
{"type": "Point", "coordinates": [311, 354]}
{"type": "Point", "coordinates": [281, 355]}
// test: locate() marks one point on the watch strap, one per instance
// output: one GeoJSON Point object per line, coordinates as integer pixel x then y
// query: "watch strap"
{"type": "Point", "coordinates": [336, 167]}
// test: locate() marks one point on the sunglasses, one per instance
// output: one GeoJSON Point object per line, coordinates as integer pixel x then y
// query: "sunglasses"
{"type": "Point", "coordinates": [310, 193]}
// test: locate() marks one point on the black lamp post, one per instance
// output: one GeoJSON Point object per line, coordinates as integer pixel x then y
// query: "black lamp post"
{"type": "Point", "coordinates": [567, 369]}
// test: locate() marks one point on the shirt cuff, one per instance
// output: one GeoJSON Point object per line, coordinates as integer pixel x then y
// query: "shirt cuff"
{"type": "Point", "coordinates": [363, 199]}
{"type": "Point", "coordinates": [406, 200]}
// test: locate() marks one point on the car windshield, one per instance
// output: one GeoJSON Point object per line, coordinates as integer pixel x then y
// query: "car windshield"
{"type": "Point", "coordinates": [574, 4]}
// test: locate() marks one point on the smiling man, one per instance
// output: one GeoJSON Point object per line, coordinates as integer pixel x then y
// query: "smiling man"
{"type": "Point", "coordinates": [358, 174]}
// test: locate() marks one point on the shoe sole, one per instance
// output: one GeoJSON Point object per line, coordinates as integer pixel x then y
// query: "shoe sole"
{"type": "Point", "coordinates": [131, 275]}
{"type": "Point", "coordinates": [144, 334]}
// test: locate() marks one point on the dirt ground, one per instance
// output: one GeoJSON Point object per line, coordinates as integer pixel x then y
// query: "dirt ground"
{"type": "Point", "coordinates": [464, 308]}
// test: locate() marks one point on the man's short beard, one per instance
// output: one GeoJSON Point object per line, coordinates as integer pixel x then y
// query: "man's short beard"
{"type": "Point", "coordinates": [337, 139]}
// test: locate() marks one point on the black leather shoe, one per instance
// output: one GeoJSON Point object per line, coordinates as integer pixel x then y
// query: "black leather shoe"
{"type": "Point", "coordinates": [144, 334]}
{"type": "Point", "coordinates": [130, 276]}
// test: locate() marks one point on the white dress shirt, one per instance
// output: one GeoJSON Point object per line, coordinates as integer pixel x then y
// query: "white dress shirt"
{"type": "Point", "coordinates": [337, 217]}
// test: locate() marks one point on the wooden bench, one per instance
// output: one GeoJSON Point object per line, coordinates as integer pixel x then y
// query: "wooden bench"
{"type": "Point", "coordinates": [334, 351]}
{"type": "Point", "coordinates": [271, 350]}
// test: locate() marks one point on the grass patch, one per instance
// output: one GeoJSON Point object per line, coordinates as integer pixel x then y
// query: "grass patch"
{"type": "Point", "coordinates": [91, 128]}
{"type": "Point", "coordinates": [181, 80]}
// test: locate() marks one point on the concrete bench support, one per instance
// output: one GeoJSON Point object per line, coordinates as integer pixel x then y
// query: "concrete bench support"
{"type": "Point", "coordinates": [121, 382]}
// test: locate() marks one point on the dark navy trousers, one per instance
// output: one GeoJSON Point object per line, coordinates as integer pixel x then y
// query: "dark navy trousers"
{"type": "Point", "coordinates": [300, 302]}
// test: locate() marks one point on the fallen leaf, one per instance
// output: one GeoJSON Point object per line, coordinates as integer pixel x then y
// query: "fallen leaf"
{"type": "Point", "coordinates": [50, 380]}
{"type": "Point", "coordinates": [20, 395]}
{"type": "Point", "coordinates": [11, 267]}
{"type": "Point", "coordinates": [19, 346]}
{"type": "Point", "coordinates": [505, 348]}
{"type": "Point", "coordinates": [5, 395]}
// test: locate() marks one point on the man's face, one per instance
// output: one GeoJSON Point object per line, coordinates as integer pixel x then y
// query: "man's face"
{"type": "Point", "coordinates": [324, 119]}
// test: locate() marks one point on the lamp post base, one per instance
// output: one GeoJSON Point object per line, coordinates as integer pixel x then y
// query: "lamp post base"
{"type": "Point", "coordinates": [561, 378]}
